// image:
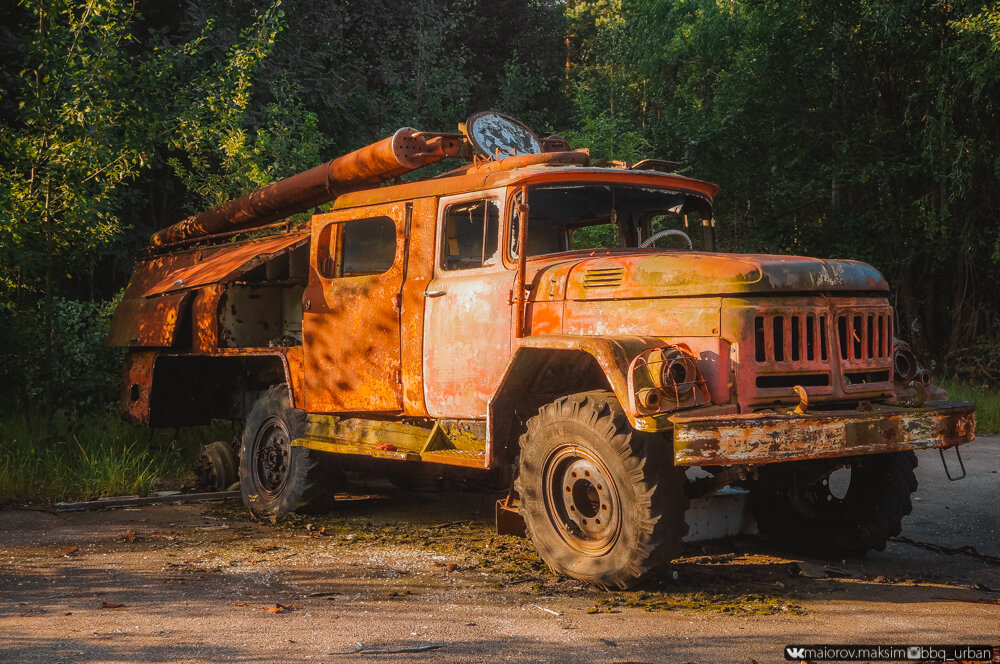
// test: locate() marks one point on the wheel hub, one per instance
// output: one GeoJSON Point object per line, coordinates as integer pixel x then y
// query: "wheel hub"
{"type": "Point", "coordinates": [271, 455]}
{"type": "Point", "coordinates": [582, 500]}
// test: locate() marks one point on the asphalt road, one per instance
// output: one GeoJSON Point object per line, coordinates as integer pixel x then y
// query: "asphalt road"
{"type": "Point", "coordinates": [422, 571]}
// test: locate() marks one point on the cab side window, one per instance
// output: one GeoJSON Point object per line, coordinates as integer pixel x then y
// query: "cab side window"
{"type": "Point", "coordinates": [357, 248]}
{"type": "Point", "coordinates": [470, 235]}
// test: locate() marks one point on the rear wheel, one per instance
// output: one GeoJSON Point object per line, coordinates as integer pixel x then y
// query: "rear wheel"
{"type": "Point", "coordinates": [276, 477]}
{"type": "Point", "coordinates": [835, 509]}
{"type": "Point", "coordinates": [602, 503]}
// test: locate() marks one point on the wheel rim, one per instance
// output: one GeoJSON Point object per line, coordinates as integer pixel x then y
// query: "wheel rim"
{"type": "Point", "coordinates": [826, 494]}
{"type": "Point", "coordinates": [272, 451]}
{"type": "Point", "coordinates": [582, 500]}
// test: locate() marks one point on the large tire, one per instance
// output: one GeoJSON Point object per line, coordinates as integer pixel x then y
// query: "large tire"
{"type": "Point", "coordinates": [797, 509]}
{"type": "Point", "coordinates": [602, 503]}
{"type": "Point", "coordinates": [276, 478]}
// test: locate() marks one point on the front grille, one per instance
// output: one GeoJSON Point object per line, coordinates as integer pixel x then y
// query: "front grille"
{"type": "Point", "coordinates": [864, 336]}
{"type": "Point", "coordinates": [836, 351]}
{"type": "Point", "coordinates": [780, 338]}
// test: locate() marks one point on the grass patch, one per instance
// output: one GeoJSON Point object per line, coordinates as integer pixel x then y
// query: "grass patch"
{"type": "Point", "coordinates": [52, 459]}
{"type": "Point", "coordinates": [514, 557]}
{"type": "Point", "coordinates": [987, 400]}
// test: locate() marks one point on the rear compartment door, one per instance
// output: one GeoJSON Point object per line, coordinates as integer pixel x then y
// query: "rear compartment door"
{"type": "Point", "coordinates": [350, 322]}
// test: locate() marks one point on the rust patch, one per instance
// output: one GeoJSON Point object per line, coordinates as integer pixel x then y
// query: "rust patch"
{"type": "Point", "coordinates": [137, 382]}
{"type": "Point", "coordinates": [766, 437]}
{"type": "Point", "coordinates": [227, 263]}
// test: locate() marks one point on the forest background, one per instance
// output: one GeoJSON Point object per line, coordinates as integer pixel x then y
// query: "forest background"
{"type": "Point", "coordinates": [865, 130]}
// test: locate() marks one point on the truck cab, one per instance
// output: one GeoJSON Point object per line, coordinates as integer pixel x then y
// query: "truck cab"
{"type": "Point", "coordinates": [575, 326]}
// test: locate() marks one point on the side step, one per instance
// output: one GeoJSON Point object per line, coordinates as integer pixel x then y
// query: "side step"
{"type": "Point", "coordinates": [449, 442]}
{"type": "Point", "coordinates": [453, 457]}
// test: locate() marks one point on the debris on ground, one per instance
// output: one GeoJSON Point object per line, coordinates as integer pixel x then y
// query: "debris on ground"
{"type": "Point", "coordinates": [370, 650]}
{"type": "Point", "coordinates": [166, 498]}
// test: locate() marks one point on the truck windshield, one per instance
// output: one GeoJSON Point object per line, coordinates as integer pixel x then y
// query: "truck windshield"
{"type": "Point", "coordinates": [600, 216]}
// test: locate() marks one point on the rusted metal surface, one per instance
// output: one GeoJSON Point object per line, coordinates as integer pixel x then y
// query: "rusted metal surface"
{"type": "Point", "coordinates": [835, 348]}
{"type": "Point", "coordinates": [142, 322]}
{"type": "Point", "coordinates": [467, 328]}
{"type": "Point", "coordinates": [227, 263]}
{"type": "Point", "coordinates": [295, 375]}
{"type": "Point", "coordinates": [508, 518]}
{"type": "Point", "coordinates": [137, 383]}
{"type": "Point", "coordinates": [450, 442]}
{"type": "Point", "coordinates": [401, 153]}
{"type": "Point", "coordinates": [419, 270]}
{"type": "Point", "coordinates": [285, 224]}
{"type": "Point", "coordinates": [767, 437]}
{"type": "Point", "coordinates": [639, 273]}
{"type": "Point", "coordinates": [160, 289]}
{"type": "Point", "coordinates": [525, 160]}
{"type": "Point", "coordinates": [504, 176]}
{"type": "Point", "coordinates": [520, 296]}
{"type": "Point", "coordinates": [141, 366]}
{"type": "Point", "coordinates": [664, 379]}
{"type": "Point", "coordinates": [614, 355]}
{"type": "Point", "coordinates": [351, 324]}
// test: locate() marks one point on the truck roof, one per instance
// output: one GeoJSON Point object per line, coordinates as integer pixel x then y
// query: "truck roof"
{"type": "Point", "coordinates": [478, 177]}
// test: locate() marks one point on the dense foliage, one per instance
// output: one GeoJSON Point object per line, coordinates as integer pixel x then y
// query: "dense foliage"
{"type": "Point", "coordinates": [867, 130]}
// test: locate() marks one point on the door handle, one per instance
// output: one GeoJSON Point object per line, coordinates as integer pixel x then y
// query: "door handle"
{"type": "Point", "coordinates": [434, 293]}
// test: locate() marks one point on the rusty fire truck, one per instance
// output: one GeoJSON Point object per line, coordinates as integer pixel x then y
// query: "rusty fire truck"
{"type": "Point", "coordinates": [517, 313]}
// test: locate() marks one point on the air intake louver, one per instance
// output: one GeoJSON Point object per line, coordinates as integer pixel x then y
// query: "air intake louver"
{"type": "Point", "coordinates": [608, 277]}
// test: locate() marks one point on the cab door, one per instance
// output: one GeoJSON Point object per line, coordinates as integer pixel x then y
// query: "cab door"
{"type": "Point", "coordinates": [467, 312]}
{"type": "Point", "coordinates": [351, 311]}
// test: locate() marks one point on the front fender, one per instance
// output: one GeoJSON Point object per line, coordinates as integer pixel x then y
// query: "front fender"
{"type": "Point", "coordinates": [613, 354]}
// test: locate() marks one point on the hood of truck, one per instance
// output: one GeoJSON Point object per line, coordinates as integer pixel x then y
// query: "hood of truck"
{"type": "Point", "coordinates": [656, 273]}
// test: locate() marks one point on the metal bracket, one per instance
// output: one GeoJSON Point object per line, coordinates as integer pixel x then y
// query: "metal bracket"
{"type": "Point", "coordinates": [509, 519]}
{"type": "Point", "coordinates": [945, 464]}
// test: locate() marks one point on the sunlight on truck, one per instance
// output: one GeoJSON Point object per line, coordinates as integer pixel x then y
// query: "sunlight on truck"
{"type": "Point", "coordinates": [571, 332]}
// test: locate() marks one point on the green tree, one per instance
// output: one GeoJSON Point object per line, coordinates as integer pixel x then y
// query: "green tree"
{"type": "Point", "coordinates": [94, 109]}
{"type": "Point", "coordinates": [77, 136]}
{"type": "Point", "coordinates": [606, 96]}
{"type": "Point", "coordinates": [218, 143]}
{"type": "Point", "coordinates": [866, 130]}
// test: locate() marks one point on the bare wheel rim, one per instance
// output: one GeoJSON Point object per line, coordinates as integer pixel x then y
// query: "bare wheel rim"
{"type": "Point", "coordinates": [272, 452]}
{"type": "Point", "coordinates": [824, 495]}
{"type": "Point", "coordinates": [582, 500]}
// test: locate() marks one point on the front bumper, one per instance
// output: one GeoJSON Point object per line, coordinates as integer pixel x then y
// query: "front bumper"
{"type": "Point", "coordinates": [757, 438]}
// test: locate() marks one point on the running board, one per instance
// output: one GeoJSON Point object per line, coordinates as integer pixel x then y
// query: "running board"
{"type": "Point", "coordinates": [448, 442]}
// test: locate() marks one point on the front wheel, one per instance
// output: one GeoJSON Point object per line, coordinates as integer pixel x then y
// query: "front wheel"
{"type": "Point", "coordinates": [275, 477]}
{"type": "Point", "coordinates": [602, 503]}
{"type": "Point", "coordinates": [834, 509]}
